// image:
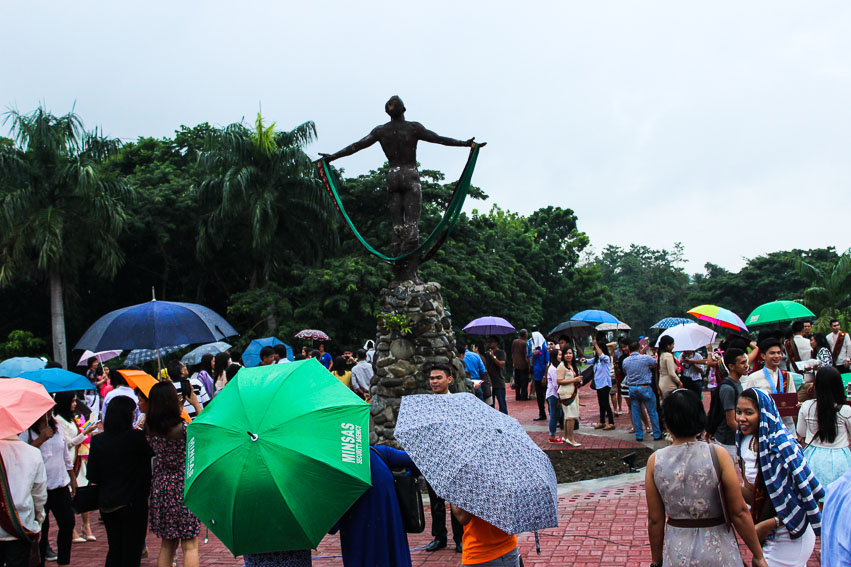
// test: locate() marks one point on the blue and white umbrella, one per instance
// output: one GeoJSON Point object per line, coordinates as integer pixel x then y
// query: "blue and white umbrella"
{"type": "Point", "coordinates": [669, 322]}
{"type": "Point", "coordinates": [462, 445]}
{"type": "Point", "coordinates": [142, 355]}
{"type": "Point", "coordinates": [194, 355]}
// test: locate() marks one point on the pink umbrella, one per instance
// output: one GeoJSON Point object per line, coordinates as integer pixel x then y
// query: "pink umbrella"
{"type": "Point", "coordinates": [22, 402]}
{"type": "Point", "coordinates": [313, 334]}
{"type": "Point", "coordinates": [101, 356]}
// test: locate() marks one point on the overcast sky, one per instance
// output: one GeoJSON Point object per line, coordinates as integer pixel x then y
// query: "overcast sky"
{"type": "Point", "coordinates": [723, 125]}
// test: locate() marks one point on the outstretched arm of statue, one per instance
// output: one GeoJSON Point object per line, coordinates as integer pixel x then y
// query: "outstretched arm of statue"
{"type": "Point", "coordinates": [428, 136]}
{"type": "Point", "coordinates": [361, 144]}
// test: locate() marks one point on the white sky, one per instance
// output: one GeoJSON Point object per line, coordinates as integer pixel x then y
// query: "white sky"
{"type": "Point", "coordinates": [723, 125]}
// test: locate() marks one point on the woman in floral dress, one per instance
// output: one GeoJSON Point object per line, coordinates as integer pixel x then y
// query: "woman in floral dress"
{"type": "Point", "coordinates": [171, 520]}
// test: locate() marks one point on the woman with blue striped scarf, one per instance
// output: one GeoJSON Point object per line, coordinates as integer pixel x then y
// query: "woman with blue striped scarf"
{"type": "Point", "coordinates": [778, 484]}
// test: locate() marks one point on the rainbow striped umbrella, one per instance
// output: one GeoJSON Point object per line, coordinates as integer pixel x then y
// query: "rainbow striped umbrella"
{"type": "Point", "coordinates": [718, 316]}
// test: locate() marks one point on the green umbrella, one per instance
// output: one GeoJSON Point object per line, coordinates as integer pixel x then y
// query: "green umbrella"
{"type": "Point", "coordinates": [277, 457]}
{"type": "Point", "coordinates": [778, 312]}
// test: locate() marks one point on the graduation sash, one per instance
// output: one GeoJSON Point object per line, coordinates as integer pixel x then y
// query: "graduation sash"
{"type": "Point", "coordinates": [837, 346]}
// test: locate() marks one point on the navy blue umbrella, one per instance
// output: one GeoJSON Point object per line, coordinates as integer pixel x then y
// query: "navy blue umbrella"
{"type": "Point", "coordinates": [155, 324]}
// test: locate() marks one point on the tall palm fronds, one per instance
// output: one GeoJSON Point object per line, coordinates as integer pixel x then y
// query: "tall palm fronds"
{"type": "Point", "coordinates": [830, 290]}
{"type": "Point", "coordinates": [58, 212]}
{"type": "Point", "coordinates": [262, 180]}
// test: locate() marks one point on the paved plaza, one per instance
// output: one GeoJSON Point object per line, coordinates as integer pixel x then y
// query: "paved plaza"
{"type": "Point", "coordinates": [601, 523]}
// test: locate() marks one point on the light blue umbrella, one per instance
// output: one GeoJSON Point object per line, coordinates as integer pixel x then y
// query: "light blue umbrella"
{"type": "Point", "coordinates": [194, 355]}
{"type": "Point", "coordinates": [251, 355]}
{"type": "Point", "coordinates": [14, 367]}
{"type": "Point", "coordinates": [142, 355]}
{"type": "Point", "coordinates": [669, 322]}
{"type": "Point", "coordinates": [595, 316]}
{"type": "Point", "coordinates": [58, 380]}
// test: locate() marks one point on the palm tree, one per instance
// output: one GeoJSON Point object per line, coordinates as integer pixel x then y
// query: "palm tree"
{"type": "Point", "coordinates": [262, 179]}
{"type": "Point", "coordinates": [57, 211]}
{"type": "Point", "coordinates": [830, 290]}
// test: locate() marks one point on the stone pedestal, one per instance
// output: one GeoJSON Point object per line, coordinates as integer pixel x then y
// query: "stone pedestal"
{"type": "Point", "coordinates": [402, 359]}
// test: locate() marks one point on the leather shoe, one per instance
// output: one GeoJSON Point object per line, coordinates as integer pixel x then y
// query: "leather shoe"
{"type": "Point", "coordinates": [436, 544]}
{"type": "Point", "coordinates": [458, 548]}
{"type": "Point", "coordinates": [540, 418]}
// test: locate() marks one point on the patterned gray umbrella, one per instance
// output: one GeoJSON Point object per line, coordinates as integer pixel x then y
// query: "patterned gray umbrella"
{"type": "Point", "coordinates": [142, 355]}
{"type": "Point", "coordinates": [480, 460]}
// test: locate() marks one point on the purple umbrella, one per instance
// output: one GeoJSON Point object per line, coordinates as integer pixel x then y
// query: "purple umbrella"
{"type": "Point", "coordinates": [489, 326]}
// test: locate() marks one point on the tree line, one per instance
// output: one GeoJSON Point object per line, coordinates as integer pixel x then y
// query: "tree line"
{"type": "Point", "coordinates": [235, 218]}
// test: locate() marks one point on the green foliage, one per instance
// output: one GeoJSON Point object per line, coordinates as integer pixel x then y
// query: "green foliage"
{"type": "Point", "coordinates": [260, 188]}
{"type": "Point", "coordinates": [57, 210]}
{"type": "Point", "coordinates": [829, 291]}
{"type": "Point", "coordinates": [396, 322]}
{"type": "Point", "coordinates": [646, 284]}
{"type": "Point", "coordinates": [22, 343]}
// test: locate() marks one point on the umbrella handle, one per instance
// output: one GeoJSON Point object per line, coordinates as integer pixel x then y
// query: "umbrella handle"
{"type": "Point", "coordinates": [537, 543]}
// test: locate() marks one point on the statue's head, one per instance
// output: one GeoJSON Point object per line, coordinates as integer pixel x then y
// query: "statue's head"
{"type": "Point", "coordinates": [395, 107]}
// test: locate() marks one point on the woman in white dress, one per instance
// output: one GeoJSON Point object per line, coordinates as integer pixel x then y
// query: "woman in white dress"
{"type": "Point", "coordinates": [77, 440]}
{"type": "Point", "coordinates": [568, 379]}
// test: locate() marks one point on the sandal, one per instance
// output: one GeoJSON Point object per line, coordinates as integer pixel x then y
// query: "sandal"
{"type": "Point", "coordinates": [78, 539]}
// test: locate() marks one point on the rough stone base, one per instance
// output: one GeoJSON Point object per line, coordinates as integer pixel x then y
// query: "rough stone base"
{"type": "Point", "coordinates": [401, 361]}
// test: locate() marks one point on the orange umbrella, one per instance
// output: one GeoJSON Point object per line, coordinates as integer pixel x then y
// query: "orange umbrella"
{"type": "Point", "coordinates": [22, 402]}
{"type": "Point", "coordinates": [144, 382]}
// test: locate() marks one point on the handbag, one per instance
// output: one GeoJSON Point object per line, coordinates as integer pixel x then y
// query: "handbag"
{"type": "Point", "coordinates": [86, 499]}
{"type": "Point", "coordinates": [567, 393]}
{"type": "Point", "coordinates": [410, 499]}
{"type": "Point", "coordinates": [588, 376]}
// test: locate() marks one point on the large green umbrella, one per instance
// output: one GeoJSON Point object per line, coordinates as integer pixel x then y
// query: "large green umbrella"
{"type": "Point", "coordinates": [277, 457]}
{"type": "Point", "coordinates": [778, 312]}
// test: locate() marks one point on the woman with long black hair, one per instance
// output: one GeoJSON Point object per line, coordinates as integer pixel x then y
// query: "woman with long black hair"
{"type": "Point", "coordinates": [824, 425]}
{"type": "Point", "coordinates": [602, 382]}
{"type": "Point", "coordinates": [59, 466]}
{"type": "Point", "coordinates": [171, 520]}
{"type": "Point", "coordinates": [77, 440]}
{"type": "Point", "coordinates": [120, 465]}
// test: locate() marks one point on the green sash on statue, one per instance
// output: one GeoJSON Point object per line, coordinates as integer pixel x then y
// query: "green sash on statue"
{"type": "Point", "coordinates": [431, 244]}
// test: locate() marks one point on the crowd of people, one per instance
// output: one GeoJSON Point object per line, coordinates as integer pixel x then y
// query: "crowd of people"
{"type": "Point", "coordinates": [774, 472]}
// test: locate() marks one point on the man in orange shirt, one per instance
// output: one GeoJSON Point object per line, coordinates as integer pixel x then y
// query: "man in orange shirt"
{"type": "Point", "coordinates": [485, 545]}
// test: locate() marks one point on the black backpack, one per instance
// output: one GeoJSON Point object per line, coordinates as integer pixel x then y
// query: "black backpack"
{"type": "Point", "coordinates": [410, 499]}
{"type": "Point", "coordinates": [716, 414]}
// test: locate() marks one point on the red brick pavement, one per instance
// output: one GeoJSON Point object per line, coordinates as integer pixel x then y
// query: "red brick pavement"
{"type": "Point", "coordinates": [607, 528]}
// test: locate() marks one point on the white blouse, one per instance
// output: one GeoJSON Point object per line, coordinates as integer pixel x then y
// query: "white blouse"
{"type": "Point", "coordinates": [808, 426]}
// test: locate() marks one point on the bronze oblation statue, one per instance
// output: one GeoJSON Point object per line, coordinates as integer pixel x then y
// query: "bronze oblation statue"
{"type": "Point", "coordinates": [398, 139]}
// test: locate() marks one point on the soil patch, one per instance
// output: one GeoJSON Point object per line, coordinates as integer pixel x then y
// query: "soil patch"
{"type": "Point", "coordinates": [573, 466]}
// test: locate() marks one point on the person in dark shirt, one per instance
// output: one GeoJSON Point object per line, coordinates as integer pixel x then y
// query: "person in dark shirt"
{"type": "Point", "coordinates": [494, 363]}
{"type": "Point", "coordinates": [520, 365]}
{"type": "Point", "coordinates": [120, 465]}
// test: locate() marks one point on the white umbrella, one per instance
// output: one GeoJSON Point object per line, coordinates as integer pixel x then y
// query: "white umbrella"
{"type": "Point", "coordinates": [101, 356]}
{"type": "Point", "coordinates": [619, 326]}
{"type": "Point", "coordinates": [689, 337]}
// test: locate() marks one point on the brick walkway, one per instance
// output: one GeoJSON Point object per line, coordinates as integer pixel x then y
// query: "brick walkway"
{"type": "Point", "coordinates": [606, 528]}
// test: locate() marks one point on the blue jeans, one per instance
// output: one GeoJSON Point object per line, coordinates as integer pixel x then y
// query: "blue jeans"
{"type": "Point", "coordinates": [643, 395]}
{"type": "Point", "coordinates": [556, 414]}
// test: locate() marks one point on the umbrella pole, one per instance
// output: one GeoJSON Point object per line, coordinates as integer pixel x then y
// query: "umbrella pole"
{"type": "Point", "coordinates": [159, 366]}
{"type": "Point", "coordinates": [537, 543]}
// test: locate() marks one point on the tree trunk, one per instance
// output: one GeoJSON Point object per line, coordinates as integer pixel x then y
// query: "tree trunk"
{"type": "Point", "coordinates": [57, 317]}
